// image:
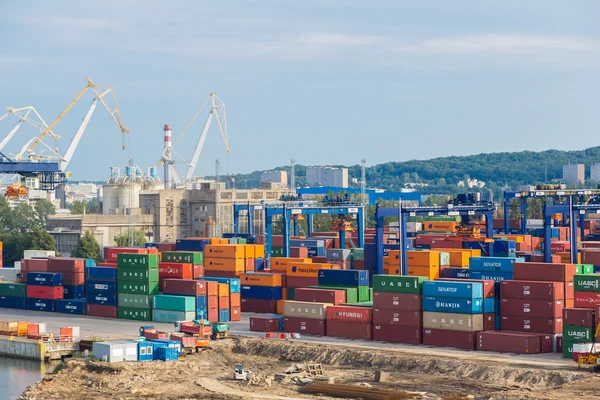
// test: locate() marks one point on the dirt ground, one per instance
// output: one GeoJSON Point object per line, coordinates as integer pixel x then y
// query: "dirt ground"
{"type": "Point", "coordinates": [208, 375]}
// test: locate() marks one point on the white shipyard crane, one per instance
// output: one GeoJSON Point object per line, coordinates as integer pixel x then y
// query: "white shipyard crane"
{"type": "Point", "coordinates": [24, 116]}
{"type": "Point", "coordinates": [217, 110]}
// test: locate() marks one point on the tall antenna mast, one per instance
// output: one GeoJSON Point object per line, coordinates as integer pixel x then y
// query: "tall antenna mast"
{"type": "Point", "coordinates": [131, 200]}
{"type": "Point", "coordinates": [293, 176]}
{"type": "Point", "coordinates": [218, 199]}
{"type": "Point", "coordinates": [363, 184]}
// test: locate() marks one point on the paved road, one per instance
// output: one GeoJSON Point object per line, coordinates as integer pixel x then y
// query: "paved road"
{"type": "Point", "coordinates": [126, 329]}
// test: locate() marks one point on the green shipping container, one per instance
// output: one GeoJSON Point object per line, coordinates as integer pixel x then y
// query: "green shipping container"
{"type": "Point", "coordinates": [363, 294]}
{"type": "Point", "coordinates": [137, 260]}
{"type": "Point", "coordinates": [358, 254]}
{"type": "Point", "coordinates": [585, 269]}
{"type": "Point", "coordinates": [137, 275]}
{"type": "Point", "coordinates": [170, 316]}
{"type": "Point", "coordinates": [242, 241]}
{"type": "Point", "coordinates": [138, 314]}
{"type": "Point", "coordinates": [146, 288]}
{"type": "Point", "coordinates": [174, 303]}
{"type": "Point", "coordinates": [366, 304]}
{"type": "Point", "coordinates": [135, 300]}
{"type": "Point", "coordinates": [351, 292]}
{"type": "Point", "coordinates": [587, 283]}
{"type": "Point", "coordinates": [567, 349]}
{"type": "Point", "coordinates": [577, 334]}
{"type": "Point", "coordinates": [13, 289]}
{"type": "Point", "coordinates": [371, 294]}
{"type": "Point", "coordinates": [398, 284]}
{"type": "Point", "coordinates": [290, 293]}
{"type": "Point", "coordinates": [187, 257]}
{"type": "Point", "coordinates": [276, 251]}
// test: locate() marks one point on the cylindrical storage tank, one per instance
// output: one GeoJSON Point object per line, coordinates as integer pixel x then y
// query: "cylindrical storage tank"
{"type": "Point", "coordinates": [153, 172]}
{"type": "Point", "coordinates": [129, 171]}
{"type": "Point", "coordinates": [124, 197]}
{"type": "Point", "coordinates": [110, 198]}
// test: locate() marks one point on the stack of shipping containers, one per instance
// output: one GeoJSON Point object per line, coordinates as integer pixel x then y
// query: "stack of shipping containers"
{"type": "Point", "coordinates": [235, 302]}
{"type": "Point", "coordinates": [137, 283]}
{"type": "Point", "coordinates": [261, 291]}
{"type": "Point", "coordinates": [101, 292]}
{"type": "Point", "coordinates": [13, 295]}
{"type": "Point", "coordinates": [43, 289]}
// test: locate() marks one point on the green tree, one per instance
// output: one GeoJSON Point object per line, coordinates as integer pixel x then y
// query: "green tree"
{"type": "Point", "coordinates": [139, 238]}
{"type": "Point", "coordinates": [40, 239]}
{"type": "Point", "coordinates": [95, 206]}
{"type": "Point", "coordinates": [43, 208]}
{"type": "Point", "coordinates": [14, 244]}
{"type": "Point", "coordinates": [24, 219]}
{"type": "Point", "coordinates": [6, 215]}
{"type": "Point", "coordinates": [80, 207]}
{"type": "Point", "coordinates": [87, 247]}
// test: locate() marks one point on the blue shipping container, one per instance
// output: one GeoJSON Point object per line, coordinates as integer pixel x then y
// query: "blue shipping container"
{"type": "Point", "coordinates": [489, 305]}
{"type": "Point", "coordinates": [307, 243]}
{"type": "Point", "coordinates": [260, 264]}
{"type": "Point", "coordinates": [201, 313]}
{"type": "Point", "coordinates": [493, 264]}
{"type": "Point", "coordinates": [458, 290]}
{"type": "Point", "coordinates": [596, 269]}
{"type": "Point", "coordinates": [498, 322]}
{"type": "Point", "coordinates": [145, 351]}
{"type": "Point", "coordinates": [89, 262]}
{"type": "Point", "coordinates": [168, 343]}
{"type": "Point", "coordinates": [262, 292]}
{"type": "Point", "coordinates": [201, 302]}
{"type": "Point", "coordinates": [190, 245]}
{"type": "Point", "coordinates": [102, 297]}
{"type": "Point", "coordinates": [20, 303]}
{"type": "Point", "coordinates": [73, 292]}
{"type": "Point", "coordinates": [41, 305]}
{"type": "Point", "coordinates": [450, 305]}
{"type": "Point", "coordinates": [102, 286]}
{"type": "Point", "coordinates": [101, 274]}
{"type": "Point", "coordinates": [167, 354]}
{"type": "Point", "coordinates": [224, 315]}
{"type": "Point", "coordinates": [234, 283]}
{"type": "Point", "coordinates": [71, 306]}
{"type": "Point", "coordinates": [492, 276]}
{"type": "Point", "coordinates": [44, 279]}
{"type": "Point", "coordinates": [455, 273]}
{"type": "Point", "coordinates": [504, 246]}
{"type": "Point", "coordinates": [343, 277]}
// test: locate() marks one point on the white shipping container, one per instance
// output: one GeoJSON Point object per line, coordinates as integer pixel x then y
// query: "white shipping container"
{"type": "Point", "coordinates": [43, 327]}
{"type": "Point", "coordinates": [39, 254]}
{"type": "Point", "coordinates": [304, 309]}
{"type": "Point", "coordinates": [115, 351]}
{"type": "Point", "coordinates": [453, 322]}
{"type": "Point", "coordinates": [444, 259]}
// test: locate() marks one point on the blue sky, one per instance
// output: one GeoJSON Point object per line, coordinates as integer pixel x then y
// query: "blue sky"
{"type": "Point", "coordinates": [322, 81]}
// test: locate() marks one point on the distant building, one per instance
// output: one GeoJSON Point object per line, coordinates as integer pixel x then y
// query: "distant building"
{"type": "Point", "coordinates": [471, 183]}
{"type": "Point", "coordinates": [574, 174]}
{"type": "Point", "coordinates": [274, 177]}
{"type": "Point", "coordinates": [327, 176]}
{"type": "Point", "coordinates": [374, 195]}
{"type": "Point", "coordinates": [595, 172]}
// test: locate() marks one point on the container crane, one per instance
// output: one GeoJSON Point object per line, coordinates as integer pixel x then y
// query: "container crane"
{"type": "Point", "coordinates": [24, 116]}
{"type": "Point", "coordinates": [217, 110]}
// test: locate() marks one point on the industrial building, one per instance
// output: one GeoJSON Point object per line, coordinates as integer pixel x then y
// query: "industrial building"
{"type": "Point", "coordinates": [411, 198]}
{"type": "Point", "coordinates": [595, 172]}
{"type": "Point", "coordinates": [274, 177]}
{"type": "Point", "coordinates": [327, 176]}
{"type": "Point", "coordinates": [574, 174]}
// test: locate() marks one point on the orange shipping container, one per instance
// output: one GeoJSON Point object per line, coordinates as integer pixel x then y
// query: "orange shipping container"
{"type": "Point", "coordinates": [276, 261]}
{"type": "Point", "coordinates": [284, 293]}
{"type": "Point", "coordinates": [440, 226]}
{"type": "Point", "coordinates": [236, 251]}
{"type": "Point", "coordinates": [261, 279]}
{"type": "Point", "coordinates": [224, 264]}
{"type": "Point", "coordinates": [234, 300]}
{"type": "Point", "coordinates": [259, 251]}
{"type": "Point", "coordinates": [430, 272]}
{"type": "Point", "coordinates": [280, 304]}
{"type": "Point", "coordinates": [423, 258]}
{"type": "Point", "coordinates": [309, 270]}
{"type": "Point", "coordinates": [223, 290]}
{"type": "Point", "coordinates": [249, 251]}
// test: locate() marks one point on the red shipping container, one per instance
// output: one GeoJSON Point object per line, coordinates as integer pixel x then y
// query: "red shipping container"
{"type": "Point", "coordinates": [544, 272]}
{"type": "Point", "coordinates": [197, 271]}
{"type": "Point", "coordinates": [111, 252]}
{"type": "Point", "coordinates": [341, 264]}
{"type": "Point", "coordinates": [569, 290]}
{"type": "Point", "coordinates": [62, 265]}
{"type": "Point", "coordinates": [531, 308]}
{"type": "Point", "coordinates": [212, 315]}
{"type": "Point", "coordinates": [212, 288]}
{"type": "Point", "coordinates": [560, 247]}
{"type": "Point", "coordinates": [427, 238]}
{"type": "Point", "coordinates": [34, 265]}
{"type": "Point", "coordinates": [444, 338]}
{"type": "Point", "coordinates": [362, 315]}
{"type": "Point", "coordinates": [413, 319]}
{"type": "Point", "coordinates": [106, 264]}
{"type": "Point", "coordinates": [320, 295]}
{"type": "Point", "coordinates": [488, 285]}
{"type": "Point", "coordinates": [264, 324]}
{"type": "Point", "coordinates": [235, 313]}
{"type": "Point", "coordinates": [586, 299]}
{"type": "Point", "coordinates": [590, 245]}
{"type": "Point", "coordinates": [259, 306]}
{"type": "Point", "coordinates": [45, 292]}
{"type": "Point", "coordinates": [559, 344]}
{"type": "Point", "coordinates": [250, 264]}
{"type": "Point", "coordinates": [299, 252]}
{"type": "Point", "coordinates": [520, 246]}
{"type": "Point", "coordinates": [167, 246]}
{"type": "Point", "coordinates": [73, 279]}
{"type": "Point", "coordinates": [397, 334]}
{"type": "Point", "coordinates": [489, 322]}
{"type": "Point", "coordinates": [569, 303]}
{"type": "Point", "coordinates": [548, 343]}
{"type": "Point", "coordinates": [301, 281]}
{"type": "Point", "coordinates": [184, 287]}
{"type": "Point", "coordinates": [212, 302]}
{"type": "Point", "coordinates": [509, 342]}
{"type": "Point", "coordinates": [528, 290]}
{"type": "Point", "coordinates": [349, 330]}
{"type": "Point", "coordinates": [445, 244]}
{"type": "Point", "coordinates": [590, 256]}
{"type": "Point", "coordinates": [397, 301]}
{"type": "Point", "coordinates": [98, 310]}
{"type": "Point", "coordinates": [175, 270]}
{"type": "Point", "coordinates": [358, 264]}
{"type": "Point", "coordinates": [539, 258]}
{"type": "Point", "coordinates": [224, 302]}
{"type": "Point", "coordinates": [528, 324]}
{"type": "Point", "coordinates": [234, 300]}
{"type": "Point", "coordinates": [579, 317]}
{"type": "Point", "coordinates": [305, 326]}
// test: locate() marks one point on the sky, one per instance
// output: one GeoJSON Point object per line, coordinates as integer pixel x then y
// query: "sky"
{"type": "Point", "coordinates": [322, 81]}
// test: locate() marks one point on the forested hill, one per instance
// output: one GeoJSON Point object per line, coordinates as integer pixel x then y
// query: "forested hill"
{"type": "Point", "coordinates": [496, 169]}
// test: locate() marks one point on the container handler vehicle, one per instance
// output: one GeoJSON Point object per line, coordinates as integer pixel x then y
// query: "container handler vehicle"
{"type": "Point", "coordinates": [593, 357]}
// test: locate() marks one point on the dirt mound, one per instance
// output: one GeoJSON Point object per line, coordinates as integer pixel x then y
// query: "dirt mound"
{"type": "Point", "coordinates": [501, 374]}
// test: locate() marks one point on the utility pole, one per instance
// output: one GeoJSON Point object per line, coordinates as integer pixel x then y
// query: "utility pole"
{"type": "Point", "coordinates": [131, 200]}
{"type": "Point", "coordinates": [217, 200]}
{"type": "Point", "coordinates": [293, 176]}
{"type": "Point", "coordinates": [363, 186]}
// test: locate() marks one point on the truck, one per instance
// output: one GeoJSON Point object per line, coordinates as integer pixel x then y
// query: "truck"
{"type": "Point", "coordinates": [220, 330]}
{"type": "Point", "coordinates": [151, 333]}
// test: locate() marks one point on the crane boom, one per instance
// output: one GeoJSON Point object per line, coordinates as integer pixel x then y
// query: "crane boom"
{"type": "Point", "coordinates": [198, 149]}
{"type": "Point", "coordinates": [13, 131]}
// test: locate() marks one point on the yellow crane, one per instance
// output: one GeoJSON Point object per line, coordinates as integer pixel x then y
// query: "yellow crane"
{"type": "Point", "coordinates": [115, 114]}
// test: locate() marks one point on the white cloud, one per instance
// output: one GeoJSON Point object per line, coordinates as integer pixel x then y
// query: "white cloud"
{"type": "Point", "coordinates": [497, 44]}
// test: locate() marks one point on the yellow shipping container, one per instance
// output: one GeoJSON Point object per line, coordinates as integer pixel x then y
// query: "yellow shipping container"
{"type": "Point", "coordinates": [565, 257]}
{"type": "Point", "coordinates": [261, 279]}
{"type": "Point", "coordinates": [224, 251]}
{"type": "Point", "coordinates": [432, 272]}
{"type": "Point", "coordinates": [259, 251]}
{"type": "Point", "coordinates": [275, 261]}
{"type": "Point", "coordinates": [224, 264]}
{"type": "Point", "coordinates": [223, 290]}
{"type": "Point", "coordinates": [458, 257]}
{"type": "Point", "coordinates": [249, 251]}
{"type": "Point", "coordinates": [475, 252]}
{"type": "Point", "coordinates": [417, 258]}
{"type": "Point", "coordinates": [307, 270]}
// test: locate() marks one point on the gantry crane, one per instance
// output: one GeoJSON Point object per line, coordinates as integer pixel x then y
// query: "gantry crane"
{"type": "Point", "coordinates": [217, 110]}
{"type": "Point", "coordinates": [24, 116]}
